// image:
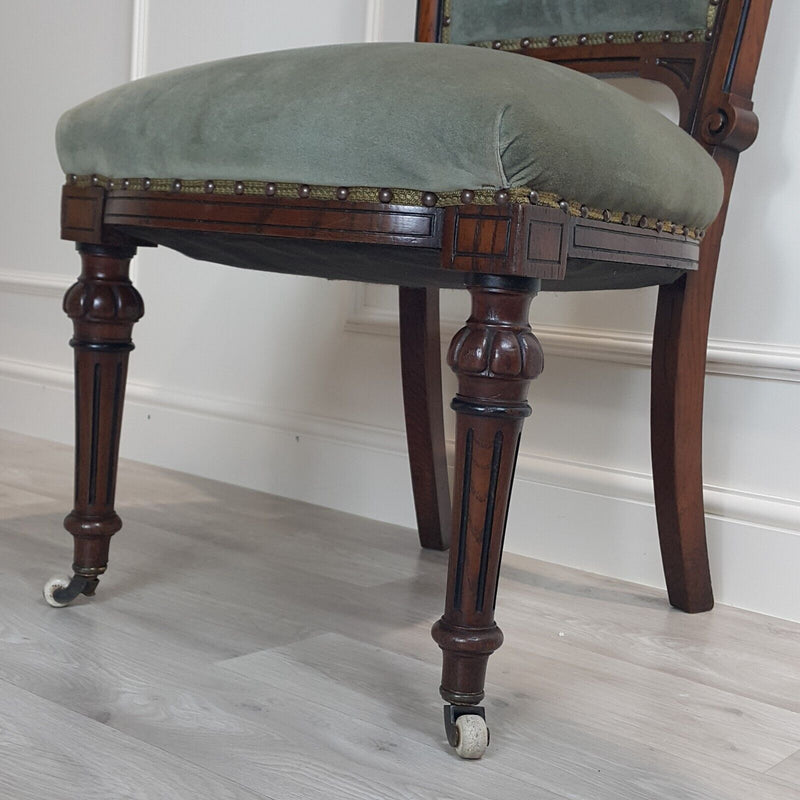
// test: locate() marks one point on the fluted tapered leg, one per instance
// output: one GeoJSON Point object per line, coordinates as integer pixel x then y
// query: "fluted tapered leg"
{"type": "Point", "coordinates": [103, 305]}
{"type": "Point", "coordinates": [495, 356]}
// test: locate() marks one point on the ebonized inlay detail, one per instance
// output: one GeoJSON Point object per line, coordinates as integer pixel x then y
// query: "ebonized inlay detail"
{"type": "Point", "coordinates": [95, 434]}
{"type": "Point", "coordinates": [491, 497]}
{"type": "Point", "coordinates": [516, 411]}
{"type": "Point", "coordinates": [103, 347]}
{"type": "Point", "coordinates": [737, 46]}
{"type": "Point", "coordinates": [505, 521]}
{"type": "Point", "coordinates": [78, 449]}
{"type": "Point", "coordinates": [115, 415]}
{"type": "Point", "coordinates": [462, 531]}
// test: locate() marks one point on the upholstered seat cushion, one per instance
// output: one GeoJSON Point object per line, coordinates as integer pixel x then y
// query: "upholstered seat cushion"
{"type": "Point", "coordinates": [425, 117]}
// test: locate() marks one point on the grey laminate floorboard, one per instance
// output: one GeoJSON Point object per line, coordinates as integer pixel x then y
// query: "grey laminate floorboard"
{"type": "Point", "coordinates": [788, 770]}
{"type": "Point", "coordinates": [47, 751]}
{"type": "Point", "coordinates": [247, 646]}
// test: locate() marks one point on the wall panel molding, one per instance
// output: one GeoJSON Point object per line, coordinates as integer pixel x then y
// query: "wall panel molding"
{"type": "Point", "coordinates": [626, 485]}
{"type": "Point", "coordinates": [725, 357]}
{"type": "Point", "coordinates": [139, 34]}
{"type": "Point", "coordinates": [42, 284]}
{"type": "Point", "coordinates": [373, 23]}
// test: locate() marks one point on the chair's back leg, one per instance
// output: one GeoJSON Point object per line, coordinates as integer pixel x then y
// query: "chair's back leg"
{"type": "Point", "coordinates": [676, 423]}
{"type": "Point", "coordinates": [420, 352]}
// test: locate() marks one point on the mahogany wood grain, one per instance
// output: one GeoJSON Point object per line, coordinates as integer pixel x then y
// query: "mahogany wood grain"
{"type": "Point", "coordinates": [83, 217]}
{"type": "Point", "coordinates": [522, 239]}
{"type": "Point", "coordinates": [421, 358]}
{"type": "Point", "coordinates": [512, 239]}
{"type": "Point", "coordinates": [103, 306]}
{"type": "Point", "coordinates": [422, 378]}
{"type": "Point", "coordinates": [495, 356]}
{"type": "Point", "coordinates": [82, 213]}
{"type": "Point", "coordinates": [594, 241]}
{"type": "Point", "coordinates": [428, 25]}
{"type": "Point", "coordinates": [680, 337]}
{"type": "Point", "coordinates": [324, 220]}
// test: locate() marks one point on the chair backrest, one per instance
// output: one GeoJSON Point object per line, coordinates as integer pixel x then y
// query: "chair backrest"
{"type": "Point", "coordinates": [706, 51]}
{"type": "Point", "coordinates": [510, 21]}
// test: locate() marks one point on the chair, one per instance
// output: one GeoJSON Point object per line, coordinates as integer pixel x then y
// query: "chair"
{"type": "Point", "coordinates": [428, 166]}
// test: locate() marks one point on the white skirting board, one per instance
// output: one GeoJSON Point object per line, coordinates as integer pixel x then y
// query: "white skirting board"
{"type": "Point", "coordinates": [585, 516]}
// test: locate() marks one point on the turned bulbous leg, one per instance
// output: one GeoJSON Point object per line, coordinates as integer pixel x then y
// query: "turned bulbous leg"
{"type": "Point", "coordinates": [103, 305]}
{"type": "Point", "coordinates": [495, 357]}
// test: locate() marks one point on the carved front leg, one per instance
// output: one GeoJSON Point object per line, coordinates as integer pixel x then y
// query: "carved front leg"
{"type": "Point", "coordinates": [103, 306]}
{"type": "Point", "coordinates": [495, 357]}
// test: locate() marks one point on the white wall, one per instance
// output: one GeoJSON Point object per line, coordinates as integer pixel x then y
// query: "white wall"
{"type": "Point", "coordinates": [217, 390]}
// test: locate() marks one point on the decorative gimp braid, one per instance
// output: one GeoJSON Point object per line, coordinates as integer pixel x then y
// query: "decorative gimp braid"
{"type": "Point", "coordinates": [385, 196]}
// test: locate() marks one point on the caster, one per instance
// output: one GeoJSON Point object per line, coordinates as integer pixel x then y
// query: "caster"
{"type": "Point", "coordinates": [473, 736]}
{"type": "Point", "coordinates": [61, 591]}
{"type": "Point", "coordinates": [466, 730]}
{"type": "Point", "coordinates": [56, 584]}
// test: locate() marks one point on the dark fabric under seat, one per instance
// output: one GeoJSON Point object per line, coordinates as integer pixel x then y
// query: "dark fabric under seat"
{"type": "Point", "coordinates": [371, 263]}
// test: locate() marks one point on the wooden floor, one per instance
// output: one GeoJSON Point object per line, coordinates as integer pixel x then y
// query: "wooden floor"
{"type": "Point", "coordinates": [247, 646]}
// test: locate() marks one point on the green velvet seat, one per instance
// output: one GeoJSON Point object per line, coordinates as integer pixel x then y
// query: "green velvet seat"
{"type": "Point", "coordinates": [419, 117]}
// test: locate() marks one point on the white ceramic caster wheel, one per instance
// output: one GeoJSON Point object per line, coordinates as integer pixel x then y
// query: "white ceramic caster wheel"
{"type": "Point", "coordinates": [58, 582]}
{"type": "Point", "coordinates": [473, 736]}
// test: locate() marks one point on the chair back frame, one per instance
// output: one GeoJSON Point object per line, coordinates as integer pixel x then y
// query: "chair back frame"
{"type": "Point", "coordinates": [713, 81]}
{"type": "Point", "coordinates": [711, 78]}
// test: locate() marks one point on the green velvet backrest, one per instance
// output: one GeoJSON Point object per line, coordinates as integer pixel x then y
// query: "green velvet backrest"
{"type": "Point", "coordinates": [501, 22]}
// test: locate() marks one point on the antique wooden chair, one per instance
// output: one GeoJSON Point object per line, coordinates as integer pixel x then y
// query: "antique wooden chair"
{"type": "Point", "coordinates": [426, 166]}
